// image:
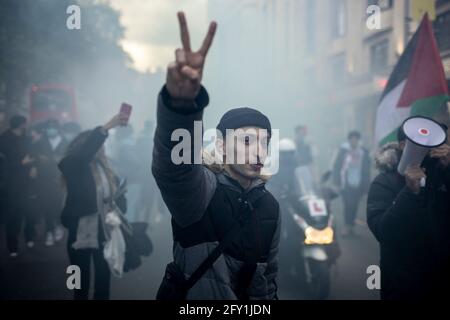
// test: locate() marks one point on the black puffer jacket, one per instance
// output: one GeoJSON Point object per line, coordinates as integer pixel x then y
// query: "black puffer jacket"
{"type": "Point", "coordinates": [414, 247]}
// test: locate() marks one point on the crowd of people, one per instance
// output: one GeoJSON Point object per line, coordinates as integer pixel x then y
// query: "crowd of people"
{"type": "Point", "coordinates": [31, 186]}
{"type": "Point", "coordinates": [51, 176]}
{"type": "Point", "coordinates": [32, 190]}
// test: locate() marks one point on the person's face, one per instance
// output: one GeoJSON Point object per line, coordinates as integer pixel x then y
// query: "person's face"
{"type": "Point", "coordinates": [354, 142]}
{"type": "Point", "coordinates": [52, 132]}
{"type": "Point", "coordinates": [247, 153]}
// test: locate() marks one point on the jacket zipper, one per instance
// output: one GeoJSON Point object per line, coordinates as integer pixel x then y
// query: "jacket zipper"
{"type": "Point", "coordinates": [258, 231]}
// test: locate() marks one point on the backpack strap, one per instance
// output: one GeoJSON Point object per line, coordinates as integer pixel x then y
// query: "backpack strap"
{"type": "Point", "coordinates": [250, 265]}
{"type": "Point", "coordinates": [214, 255]}
{"type": "Point", "coordinates": [251, 257]}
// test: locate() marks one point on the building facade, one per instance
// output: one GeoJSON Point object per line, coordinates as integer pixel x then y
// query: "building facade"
{"type": "Point", "coordinates": [318, 61]}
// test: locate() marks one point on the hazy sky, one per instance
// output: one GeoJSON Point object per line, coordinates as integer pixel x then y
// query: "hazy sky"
{"type": "Point", "coordinates": [152, 28]}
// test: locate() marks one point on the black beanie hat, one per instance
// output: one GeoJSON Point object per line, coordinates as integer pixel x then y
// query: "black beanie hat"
{"type": "Point", "coordinates": [243, 117]}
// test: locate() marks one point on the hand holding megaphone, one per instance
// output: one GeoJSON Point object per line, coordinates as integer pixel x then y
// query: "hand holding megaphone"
{"type": "Point", "coordinates": [422, 134]}
{"type": "Point", "coordinates": [415, 178]}
{"type": "Point", "coordinates": [442, 153]}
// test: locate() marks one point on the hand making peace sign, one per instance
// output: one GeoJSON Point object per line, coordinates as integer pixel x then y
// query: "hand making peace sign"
{"type": "Point", "coordinates": [185, 74]}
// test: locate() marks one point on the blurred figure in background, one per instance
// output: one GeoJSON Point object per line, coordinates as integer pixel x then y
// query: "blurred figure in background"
{"type": "Point", "coordinates": [90, 183]}
{"type": "Point", "coordinates": [3, 120]}
{"type": "Point", "coordinates": [286, 189]}
{"type": "Point", "coordinates": [304, 156]}
{"type": "Point", "coordinates": [150, 205]}
{"type": "Point", "coordinates": [51, 195]}
{"type": "Point", "coordinates": [14, 145]}
{"type": "Point", "coordinates": [34, 203]}
{"type": "Point", "coordinates": [69, 131]}
{"type": "Point", "coordinates": [351, 173]}
{"type": "Point", "coordinates": [2, 188]}
{"type": "Point", "coordinates": [3, 127]}
{"type": "Point", "coordinates": [125, 162]}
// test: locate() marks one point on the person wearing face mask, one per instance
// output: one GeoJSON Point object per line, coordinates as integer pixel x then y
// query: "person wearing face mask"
{"type": "Point", "coordinates": [51, 196]}
{"type": "Point", "coordinates": [69, 131]}
{"type": "Point", "coordinates": [14, 145]}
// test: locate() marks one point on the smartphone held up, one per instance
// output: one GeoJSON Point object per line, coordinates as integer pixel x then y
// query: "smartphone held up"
{"type": "Point", "coordinates": [125, 109]}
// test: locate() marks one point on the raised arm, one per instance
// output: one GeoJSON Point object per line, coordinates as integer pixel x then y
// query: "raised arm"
{"type": "Point", "coordinates": [86, 152]}
{"type": "Point", "coordinates": [186, 188]}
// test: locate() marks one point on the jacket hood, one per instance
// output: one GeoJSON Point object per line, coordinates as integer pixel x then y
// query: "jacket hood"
{"type": "Point", "coordinates": [388, 157]}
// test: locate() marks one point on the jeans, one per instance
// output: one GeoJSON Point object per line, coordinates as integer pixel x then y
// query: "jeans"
{"type": "Point", "coordinates": [350, 198]}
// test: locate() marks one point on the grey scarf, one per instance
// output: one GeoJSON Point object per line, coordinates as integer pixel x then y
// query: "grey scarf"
{"type": "Point", "coordinates": [87, 232]}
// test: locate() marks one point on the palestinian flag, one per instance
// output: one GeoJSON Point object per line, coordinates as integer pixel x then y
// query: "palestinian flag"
{"type": "Point", "coordinates": [417, 86]}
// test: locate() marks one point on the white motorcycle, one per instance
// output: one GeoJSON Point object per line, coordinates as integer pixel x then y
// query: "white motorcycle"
{"type": "Point", "coordinates": [311, 213]}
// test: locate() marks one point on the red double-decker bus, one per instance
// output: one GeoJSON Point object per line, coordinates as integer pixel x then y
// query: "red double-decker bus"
{"type": "Point", "coordinates": [52, 101]}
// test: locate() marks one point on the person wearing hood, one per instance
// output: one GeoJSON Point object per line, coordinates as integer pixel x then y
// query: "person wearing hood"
{"type": "Point", "coordinates": [411, 223]}
{"type": "Point", "coordinates": [351, 173]}
{"type": "Point", "coordinates": [212, 207]}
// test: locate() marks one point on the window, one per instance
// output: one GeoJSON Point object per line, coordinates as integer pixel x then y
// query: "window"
{"type": "Point", "coordinates": [338, 18]}
{"type": "Point", "coordinates": [441, 27]}
{"type": "Point", "coordinates": [379, 55]}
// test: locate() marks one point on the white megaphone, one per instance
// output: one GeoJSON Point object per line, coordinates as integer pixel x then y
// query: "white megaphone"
{"type": "Point", "coordinates": [422, 134]}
